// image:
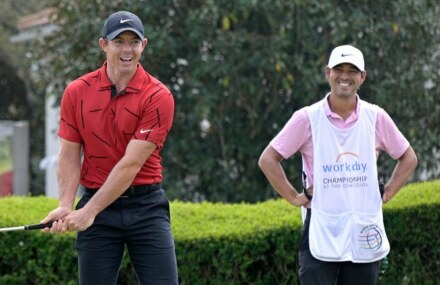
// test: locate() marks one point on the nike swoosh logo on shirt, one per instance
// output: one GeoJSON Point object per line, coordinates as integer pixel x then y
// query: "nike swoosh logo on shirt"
{"type": "Point", "coordinates": [145, 131]}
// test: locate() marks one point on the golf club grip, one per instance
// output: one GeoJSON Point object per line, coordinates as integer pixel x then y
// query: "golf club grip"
{"type": "Point", "coordinates": [38, 226]}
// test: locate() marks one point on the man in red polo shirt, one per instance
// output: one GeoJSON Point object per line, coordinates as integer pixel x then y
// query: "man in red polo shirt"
{"type": "Point", "coordinates": [118, 116]}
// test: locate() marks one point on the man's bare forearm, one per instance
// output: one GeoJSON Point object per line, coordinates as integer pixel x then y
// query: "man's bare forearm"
{"type": "Point", "coordinates": [68, 173]}
{"type": "Point", "coordinates": [270, 164]}
{"type": "Point", "coordinates": [121, 176]}
{"type": "Point", "coordinates": [405, 167]}
{"type": "Point", "coordinates": [119, 179]}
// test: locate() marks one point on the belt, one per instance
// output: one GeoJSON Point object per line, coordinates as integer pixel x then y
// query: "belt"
{"type": "Point", "coordinates": [133, 190]}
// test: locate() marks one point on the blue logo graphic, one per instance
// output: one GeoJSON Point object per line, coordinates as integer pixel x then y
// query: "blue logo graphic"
{"type": "Point", "coordinates": [370, 237]}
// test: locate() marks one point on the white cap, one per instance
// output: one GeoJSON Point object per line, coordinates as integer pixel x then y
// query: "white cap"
{"type": "Point", "coordinates": [347, 54]}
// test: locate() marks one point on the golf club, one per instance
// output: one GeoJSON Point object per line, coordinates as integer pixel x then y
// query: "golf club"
{"type": "Point", "coordinates": [27, 227]}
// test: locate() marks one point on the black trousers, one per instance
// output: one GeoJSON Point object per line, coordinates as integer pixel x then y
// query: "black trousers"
{"type": "Point", "coordinates": [317, 272]}
{"type": "Point", "coordinates": [141, 224]}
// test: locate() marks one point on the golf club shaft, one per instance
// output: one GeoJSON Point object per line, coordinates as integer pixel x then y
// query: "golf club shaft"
{"type": "Point", "coordinates": [12, 229]}
{"type": "Point", "coordinates": [27, 227]}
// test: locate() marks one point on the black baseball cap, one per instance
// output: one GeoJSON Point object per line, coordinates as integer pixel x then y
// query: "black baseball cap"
{"type": "Point", "coordinates": [120, 22]}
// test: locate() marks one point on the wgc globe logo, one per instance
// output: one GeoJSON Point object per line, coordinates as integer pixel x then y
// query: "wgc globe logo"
{"type": "Point", "coordinates": [370, 237]}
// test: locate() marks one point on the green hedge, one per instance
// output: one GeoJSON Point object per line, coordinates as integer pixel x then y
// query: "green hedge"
{"type": "Point", "coordinates": [227, 243]}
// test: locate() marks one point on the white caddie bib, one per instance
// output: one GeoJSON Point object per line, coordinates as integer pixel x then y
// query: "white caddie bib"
{"type": "Point", "coordinates": [346, 222]}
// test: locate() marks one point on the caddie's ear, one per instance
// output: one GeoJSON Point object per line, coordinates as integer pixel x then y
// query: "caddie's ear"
{"type": "Point", "coordinates": [327, 72]}
{"type": "Point", "coordinates": [363, 76]}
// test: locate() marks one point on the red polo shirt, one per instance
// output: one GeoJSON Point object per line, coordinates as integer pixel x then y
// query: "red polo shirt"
{"type": "Point", "coordinates": [105, 125]}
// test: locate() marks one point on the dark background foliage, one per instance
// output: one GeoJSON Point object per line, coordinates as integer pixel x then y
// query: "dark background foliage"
{"type": "Point", "coordinates": [239, 69]}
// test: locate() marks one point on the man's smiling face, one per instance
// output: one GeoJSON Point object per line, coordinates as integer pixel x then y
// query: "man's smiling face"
{"type": "Point", "coordinates": [124, 52]}
{"type": "Point", "coordinates": [344, 79]}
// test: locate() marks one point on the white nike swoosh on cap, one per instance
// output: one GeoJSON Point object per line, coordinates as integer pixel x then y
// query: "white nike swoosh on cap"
{"type": "Point", "coordinates": [126, 20]}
